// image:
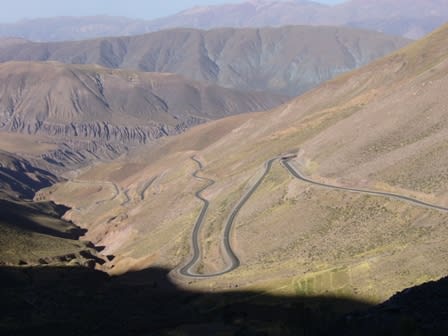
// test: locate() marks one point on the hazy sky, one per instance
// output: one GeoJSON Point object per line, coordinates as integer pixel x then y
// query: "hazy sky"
{"type": "Point", "coordinates": [13, 10]}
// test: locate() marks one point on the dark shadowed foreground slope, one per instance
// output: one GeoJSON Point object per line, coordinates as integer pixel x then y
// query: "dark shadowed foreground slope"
{"type": "Point", "coordinates": [421, 310]}
{"type": "Point", "coordinates": [79, 301]}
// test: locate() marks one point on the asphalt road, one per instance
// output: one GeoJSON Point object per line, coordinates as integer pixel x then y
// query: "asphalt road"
{"type": "Point", "coordinates": [114, 186]}
{"type": "Point", "coordinates": [186, 269]}
{"type": "Point", "coordinates": [116, 193]}
{"type": "Point", "coordinates": [146, 187]}
{"type": "Point", "coordinates": [297, 174]}
{"type": "Point", "coordinates": [127, 199]}
{"type": "Point", "coordinates": [233, 261]}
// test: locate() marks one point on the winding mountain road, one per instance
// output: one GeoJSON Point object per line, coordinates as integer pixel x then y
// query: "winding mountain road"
{"type": "Point", "coordinates": [233, 261]}
{"type": "Point", "coordinates": [116, 189]}
{"type": "Point", "coordinates": [116, 194]}
{"type": "Point", "coordinates": [297, 174]}
{"type": "Point", "coordinates": [127, 198]}
{"type": "Point", "coordinates": [146, 186]}
{"type": "Point", "coordinates": [232, 258]}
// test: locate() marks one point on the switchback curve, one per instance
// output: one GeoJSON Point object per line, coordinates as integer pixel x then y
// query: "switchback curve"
{"type": "Point", "coordinates": [233, 260]}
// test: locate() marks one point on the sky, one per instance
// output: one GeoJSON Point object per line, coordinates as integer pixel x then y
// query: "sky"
{"type": "Point", "coordinates": [14, 10]}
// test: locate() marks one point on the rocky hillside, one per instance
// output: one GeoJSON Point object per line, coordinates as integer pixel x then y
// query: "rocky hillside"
{"type": "Point", "coordinates": [21, 178]}
{"type": "Point", "coordinates": [288, 60]}
{"type": "Point", "coordinates": [33, 233]}
{"type": "Point", "coordinates": [96, 109]}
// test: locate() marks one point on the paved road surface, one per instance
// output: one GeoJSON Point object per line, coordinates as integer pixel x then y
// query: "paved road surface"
{"type": "Point", "coordinates": [146, 187]}
{"type": "Point", "coordinates": [113, 185]}
{"type": "Point", "coordinates": [297, 174]}
{"type": "Point", "coordinates": [127, 198]}
{"type": "Point", "coordinates": [233, 261]}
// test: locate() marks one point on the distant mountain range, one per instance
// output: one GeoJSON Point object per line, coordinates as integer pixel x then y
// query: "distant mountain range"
{"type": "Point", "coordinates": [408, 18]}
{"type": "Point", "coordinates": [287, 60]}
{"type": "Point", "coordinates": [74, 28]}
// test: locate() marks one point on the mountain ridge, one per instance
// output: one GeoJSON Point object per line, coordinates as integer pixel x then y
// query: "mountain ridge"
{"type": "Point", "coordinates": [384, 16]}
{"type": "Point", "coordinates": [392, 17]}
{"type": "Point", "coordinates": [287, 61]}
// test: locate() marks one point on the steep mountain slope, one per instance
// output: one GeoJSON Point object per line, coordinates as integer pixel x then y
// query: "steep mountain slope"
{"type": "Point", "coordinates": [31, 232]}
{"type": "Point", "coordinates": [101, 110]}
{"type": "Point", "coordinates": [380, 128]}
{"type": "Point", "coordinates": [411, 19]}
{"type": "Point", "coordinates": [21, 178]}
{"type": "Point", "coordinates": [287, 60]}
{"type": "Point", "coordinates": [419, 310]}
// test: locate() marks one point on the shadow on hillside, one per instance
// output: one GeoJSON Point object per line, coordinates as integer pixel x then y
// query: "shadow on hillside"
{"type": "Point", "coordinates": [22, 215]}
{"type": "Point", "coordinates": [79, 301]}
{"type": "Point", "coordinates": [21, 182]}
{"type": "Point", "coordinates": [416, 311]}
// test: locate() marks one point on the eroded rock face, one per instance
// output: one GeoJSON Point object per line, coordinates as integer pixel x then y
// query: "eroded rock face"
{"type": "Point", "coordinates": [85, 141]}
{"type": "Point", "coordinates": [93, 111]}
{"type": "Point", "coordinates": [98, 131]}
{"type": "Point", "coordinates": [98, 140]}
